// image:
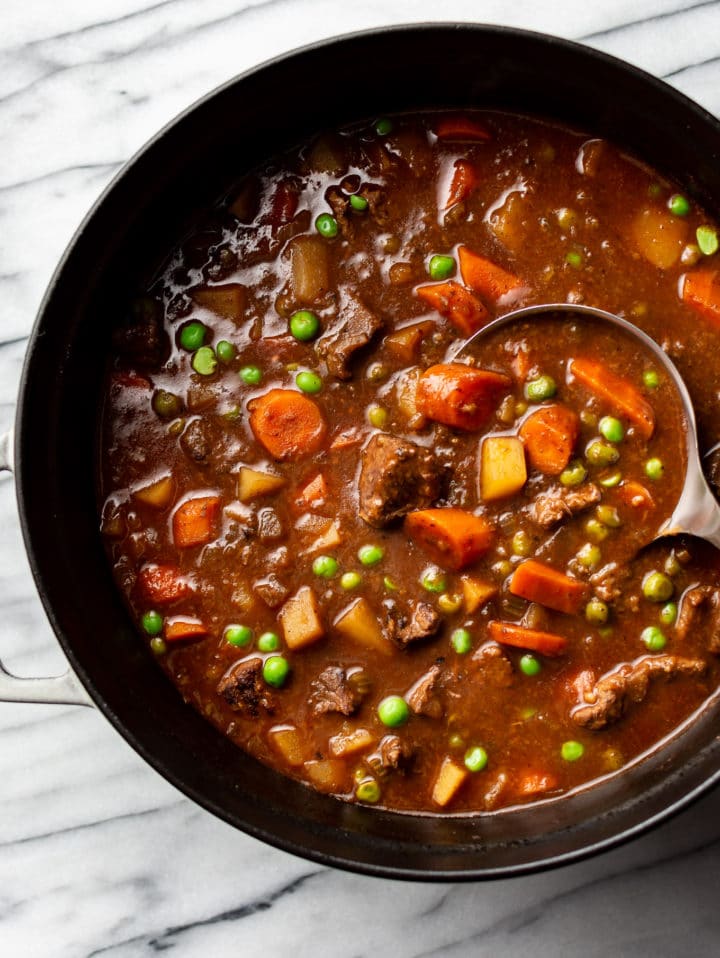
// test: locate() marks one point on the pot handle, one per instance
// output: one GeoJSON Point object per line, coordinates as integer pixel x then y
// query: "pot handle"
{"type": "Point", "coordinates": [57, 690]}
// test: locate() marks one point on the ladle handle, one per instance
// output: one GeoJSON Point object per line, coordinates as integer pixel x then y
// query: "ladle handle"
{"type": "Point", "coordinates": [697, 512]}
{"type": "Point", "coordinates": [63, 689]}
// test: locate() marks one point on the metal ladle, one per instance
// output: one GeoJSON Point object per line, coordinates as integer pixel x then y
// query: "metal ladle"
{"type": "Point", "coordinates": [697, 511]}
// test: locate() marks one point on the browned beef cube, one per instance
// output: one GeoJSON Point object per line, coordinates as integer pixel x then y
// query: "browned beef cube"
{"type": "Point", "coordinates": [396, 477]}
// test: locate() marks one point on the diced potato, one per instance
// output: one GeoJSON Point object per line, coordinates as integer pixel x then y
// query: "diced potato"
{"type": "Point", "coordinates": [329, 539]}
{"type": "Point", "coordinates": [288, 741]}
{"type": "Point", "coordinates": [448, 781]}
{"type": "Point", "coordinates": [327, 774]}
{"type": "Point", "coordinates": [476, 593]}
{"type": "Point", "coordinates": [253, 483]}
{"type": "Point", "coordinates": [406, 394]}
{"type": "Point", "coordinates": [227, 300]}
{"type": "Point", "coordinates": [502, 467]}
{"type": "Point", "coordinates": [659, 236]}
{"type": "Point", "coordinates": [309, 271]}
{"type": "Point", "coordinates": [328, 155]}
{"type": "Point", "coordinates": [509, 222]}
{"type": "Point", "coordinates": [404, 344]}
{"type": "Point", "coordinates": [348, 743]}
{"type": "Point", "coordinates": [157, 494]}
{"type": "Point", "coordinates": [359, 623]}
{"type": "Point", "coordinates": [300, 619]}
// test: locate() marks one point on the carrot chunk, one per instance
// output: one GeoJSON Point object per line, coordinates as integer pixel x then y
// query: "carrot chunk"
{"type": "Point", "coordinates": [162, 584]}
{"type": "Point", "coordinates": [550, 435]}
{"type": "Point", "coordinates": [453, 538]}
{"type": "Point", "coordinates": [313, 493]}
{"type": "Point", "coordinates": [458, 395]}
{"type": "Point", "coordinates": [287, 423]}
{"type": "Point", "coordinates": [701, 290]}
{"type": "Point", "coordinates": [536, 783]}
{"type": "Point", "coordinates": [517, 636]}
{"type": "Point", "coordinates": [617, 392]}
{"type": "Point", "coordinates": [538, 582]}
{"type": "Point", "coordinates": [181, 628]}
{"type": "Point", "coordinates": [456, 304]}
{"type": "Point", "coordinates": [458, 127]}
{"type": "Point", "coordinates": [484, 276]}
{"type": "Point", "coordinates": [464, 180]}
{"type": "Point", "coordinates": [193, 521]}
{"type": "Point", "coordinates": [634, 494]}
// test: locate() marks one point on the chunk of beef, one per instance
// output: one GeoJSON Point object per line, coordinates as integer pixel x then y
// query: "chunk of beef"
{"type": "Point", "coordinates": [609, 581]}
{"type": "Point", "coordinates": [422, 697]}
{"type": "Point", "coordinates": [197, 440]}
{"type": "Point", "coordinates": [142, 340]}
{"type": "Point", "coordinates": [392, 753]}
{"type": "Point", "coordinates": [358, 326]}
{"type": "Point", "coordinates": [552, 507]}
{"type": "Point", "coordinates": [700, 608]}
{"type": "Point", "coordinates": [332, 691]}
{"type": "Point", "coordinates": [493, 666]}
{"type": "Point", "coordinates": [271, 590]}
{"type": "Point", "coordinates": [613, 694]}
{"type": "Point", "coordinates": [396, 476]}
{"type": "Point", "coordinates": [243, 688]}
{"type": "Point", "coordinates": [337, 200]}
{"type": "Point", "coordinates": [419, 621]}
{"type": "Point", "coordinates": [269, 526]}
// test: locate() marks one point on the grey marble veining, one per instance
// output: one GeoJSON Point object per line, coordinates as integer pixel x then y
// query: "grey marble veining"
{"type": "Point", "coordinates": [98, 854]}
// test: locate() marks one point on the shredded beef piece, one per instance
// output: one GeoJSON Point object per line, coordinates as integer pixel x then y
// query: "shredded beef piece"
{"type": "Point", "coordinates": [271, 591]}
{"type": "Point", "coordinates": [377, 202]}
{"type": "Point", "coordinates": [494, 665]}
{"type": "Point", "coordinates": [421, 697]}
{"type": "Point", "coordinates": [359, 325]}
{"type": "Point", "coordinates": [392, 753]}
{"type": "Point", "coordinates": [420, 621]}
{"type": "Point", "coordinates": [396, 476]}
{"type": "Point", "coordinates": [611, 696]}
{"type": "Point", "coordinates": [552, 507]}
{"type": "Point", "coordinates": [609, 581]}
{"type": "Point", "coordinates": [196, 440]}
{"type": "Point", "coordinates": [269, 526]}
{"type": "Point", "coordinates": [338, 203]}
{"type": "Point", "coordinates": [243, 687]}
{"type": "Point", "coordinates": [142, 340]}
{"type": "Point", "coordinates": [333, 692]}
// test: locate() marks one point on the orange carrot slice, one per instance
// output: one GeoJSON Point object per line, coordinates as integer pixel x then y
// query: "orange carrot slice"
{"type": "Point", "coordinates": [453, 538]}
{"type": "Point", "coordinates": [182, 628]}
{"type": "Point", "coordinates": [484, 276]}
{"type": "Point", "coordinates": [193, 521]}
{"type": "Point", "coordinates": [460, 396]}
{"type": "Point", "coordinates": [287, 423]}
{"type": "Point", "coordinates": [457, 127]}
{"type": "Point", "coordinates": [457, 304]}
{"type": "Point", "coordinates": [550, 435]}
{"type": "Point", "coordinates": [517, 636]}
{"type": "Point", "coordinates": [617, 392]}
{"type": "Point", "coordinates": [464, 180]}
{"type": "Point", "coordinates": [162, 584]}
{"type": "Point", "coordinates": [701, 290]}
{"type": "Point", "coordinates": [634, 494]}
{"type": "Point", "coordinates": [536, 783]}
{"type": "Point", "coordinates": [538, 582]}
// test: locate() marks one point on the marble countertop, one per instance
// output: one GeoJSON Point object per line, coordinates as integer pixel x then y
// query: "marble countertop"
{"type": "Point", "coordinates": [98, 854]}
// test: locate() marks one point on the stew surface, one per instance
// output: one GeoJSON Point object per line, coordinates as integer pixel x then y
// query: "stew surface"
{"type": "Point", "coordinates": [403, 577]}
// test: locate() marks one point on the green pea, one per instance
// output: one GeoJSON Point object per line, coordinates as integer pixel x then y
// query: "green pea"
{"type": "Point", "coordinates": [433, 580]}
{"type": "Point", "coordinates": [596, 531]}
{"type": "Point", "coordinates": [376, 372]}
{"type": "Point", "coordinates": [574, 258]}
{"type": "Point", "coordinates": [672, 565]}
{"type": "Point", "coordinates": [370, 555]}
{"type": "Point", "coordinates": [589, 556]}
{"type": "Point", "coordinates": [383, 126]}
{"type": "Point", "coordinates": [654, 469]}
{"type": "Point", "coordinates": [166, 405]}
{"type": "Point", "coordinates": [599, 453]}
{"type": "Point", "coordinates": [449, 603]}
{"type": "Point", "coordinates": [441, 267]}
{"type": "Point", "coordinates": [268, 642]}
{"type": "Point", "coordinates": [657, 587]}
{"type": "Point", "coordinates": [225, 351]}
{"type": "Point", "coordinates": [653, 639]}
{"type": "Point", "coordinates": [651, 379]}
{"type": "Point", "coordinates": [530, 665]}
{"type": "Point", "coordinates": [276, 670]}
{"type": "Point", "coordinates": [678, 205]}
{"type": "Point", "coordinates": [304, 325]}
{"type": "Point", "coordinates": [157, 645]}
{"type": "Point", "coordinates": [238, 635]}
{"type": "Point", "coordinates": [309, 382]}
{"type": "Point", "coordinates": [544, 387]}
{"type": "Point", "coordinates": [327, 226]}
{"type": "Point", "coordinates": [456, 740]}
{"type": "Point", "coordinates": [476, 758]}
{"type": "Point", "coordinates": [612, 429]}
{"type": "Point", "coordinates": [389, 584]}
{"type": "Point", "coordinates": [393, 711]}
{"type": "Point", "coordinates": [609, 482]}
{"type": "Point", "coordinates": [204, 361]}
{"type": "Point", "coordinates": [707, 240]}
{"type": "Point", "coordinates": [368, 791]}
{"type": "Point", "coordinates": [350, 580]}
{"type": "Point", "coordinates": [325, 567]}
{"type": "Point", "coordinates": [522, 544]}
{"type": "Point", "coordinates": [668, 613]}
{"type": "Point", "coordinates": [377, 416]}
{"type": "Point", "coordinates": [358, 203]}
{"type": "Point", "coordinates": [251, 375]}
{"type": "Point", "coordinates": [152, 623]}
{"type": "Point", "coordinates": [574, 474]}
{"type": "Point", "coordinates": [192, 336]}
{"type": "Point", "coordinates": [596, 612]}
{"type": "Point", "coordinates": [608, 515]}
{"type": "Point", "coordinates": [502, 568]}
{"type": "Point", "coordinates": [461, 641]}
{"type": "Point", "coordinates": [571, 751]}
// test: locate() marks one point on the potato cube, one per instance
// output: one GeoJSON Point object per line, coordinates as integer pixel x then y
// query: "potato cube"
{"type": "Point", "coordinates": [309, 277]}
{"type": "Point", "coordinates": [288, 741]}
{"type": "Point", "coordinates": [227, 300]}
{"type": "Point", "coordinates": [659, 236]}
{"type": "Point", "coordinates": [476, 593]}
{"type": "Point", "coordinates": [360, 624]}
{"type": "Point", "coordinates": [448, 781]}
{"type": "Point", "coordinates": [300, 619]}
{"type": "Point", "coordinates": [348, 743]}
{"type": "Point", "coordinates": [502, 467]}
{"type": "Point", "coordinates": [253, 483]}
{"type": "Point", "coordinates": [157, 494]}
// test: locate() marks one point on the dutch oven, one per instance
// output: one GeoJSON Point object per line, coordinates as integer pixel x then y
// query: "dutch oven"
{"type": "Point", "coordinates": [153, 200]}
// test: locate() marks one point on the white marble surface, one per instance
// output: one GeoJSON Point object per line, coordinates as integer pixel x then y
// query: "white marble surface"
{"type": "Point", "coordinates": [98, 854]}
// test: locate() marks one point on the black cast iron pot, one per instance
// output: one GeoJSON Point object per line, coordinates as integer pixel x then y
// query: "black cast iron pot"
{"type": "Point", "coordinates": [117, 248]}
